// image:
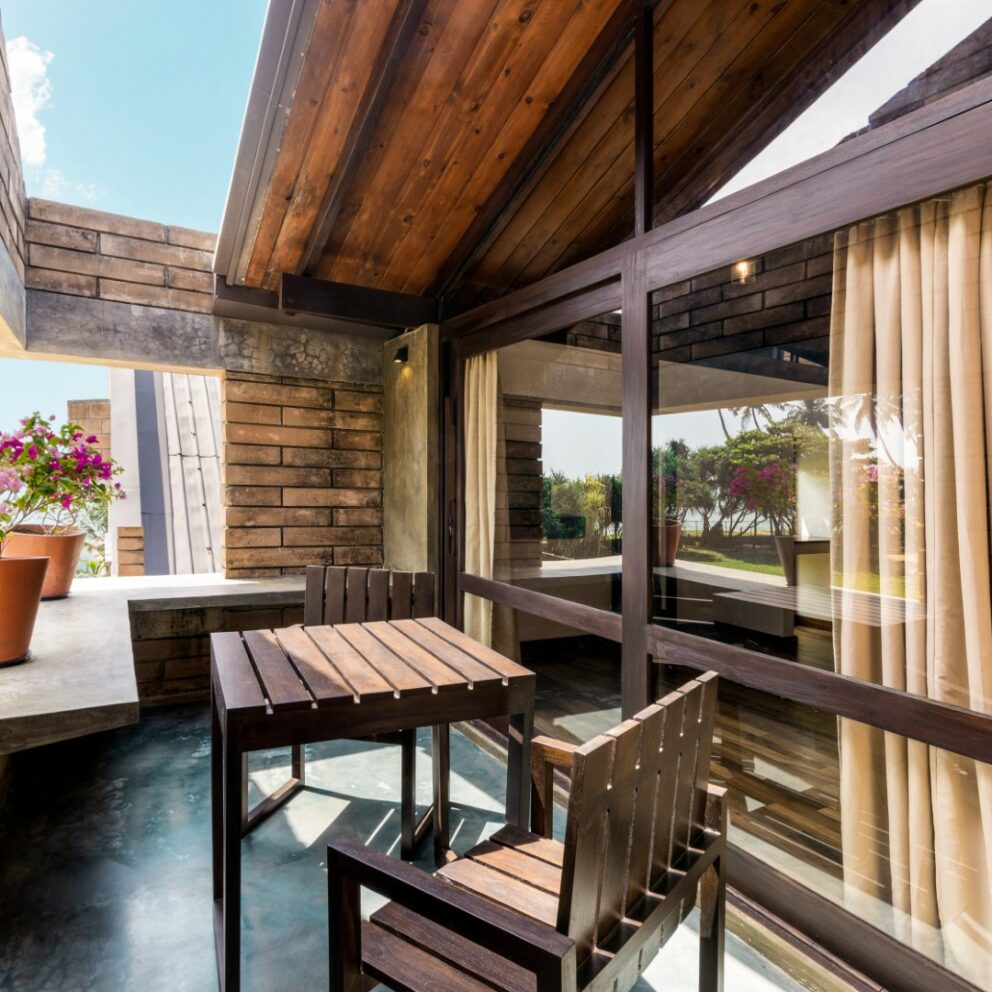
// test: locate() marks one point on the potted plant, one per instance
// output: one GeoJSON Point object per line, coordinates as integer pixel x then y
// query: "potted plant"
{"type": "Point", "coordinates": [62, 476]}
{"type": "Point", "coordinates": [21, 580]}
{"type": "Point", "coordinates": [668, 529]}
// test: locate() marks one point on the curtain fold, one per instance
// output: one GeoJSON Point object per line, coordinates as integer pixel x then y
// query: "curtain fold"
{"type": "Point", "coordinates": [911, 475]}
{"type": "Point", "coordinates": [481, 437]}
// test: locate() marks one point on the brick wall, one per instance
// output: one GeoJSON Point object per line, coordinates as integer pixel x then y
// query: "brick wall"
{"type": "Point", "coordinates": [172, 646]}
{"type": "Point", "coordinates": [303, 474]}
{"type": "Point", "coordinates": [130, 553]}
{"type": "Point", "coordinates": [94, 418]}
{"type": "Point", "coordinates": [82, 252]}
{"type": "Point", "coordinates": [12, 195]}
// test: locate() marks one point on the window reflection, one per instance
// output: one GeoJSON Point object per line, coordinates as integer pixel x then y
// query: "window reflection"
{"type": "Point", "coordinates": [822, 455]}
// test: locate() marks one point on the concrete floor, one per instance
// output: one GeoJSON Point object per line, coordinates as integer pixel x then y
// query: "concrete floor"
{"type": "Point", "coordinates": [105, 873]}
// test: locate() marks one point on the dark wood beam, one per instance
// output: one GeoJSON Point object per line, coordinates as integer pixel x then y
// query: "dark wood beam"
{"type": "Point", "coordinates": [644, 121]}
{"type": "Point", "coordinates": [299, 294]}
{"type": "Point", "coordinates": [594, 73]}
{"type": "Point", "coordinates": [405, 21]}
{"type": "Point", "coordinates": [262, 306]}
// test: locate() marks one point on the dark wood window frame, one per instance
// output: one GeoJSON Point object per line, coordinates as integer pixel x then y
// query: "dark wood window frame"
{"type": "Point", "coordinates": [937, 148]}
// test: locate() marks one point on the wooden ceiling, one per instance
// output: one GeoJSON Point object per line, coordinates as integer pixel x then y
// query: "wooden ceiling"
{"type": "Point", "coordinates": [468, 148]}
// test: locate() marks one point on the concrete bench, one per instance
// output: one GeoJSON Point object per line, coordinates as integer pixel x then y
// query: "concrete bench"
{"type": "Point", "coordinates": [119, 643]}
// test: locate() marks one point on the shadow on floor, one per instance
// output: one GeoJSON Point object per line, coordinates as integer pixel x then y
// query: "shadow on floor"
{"type": "Point", "coordinates": [105, 873]}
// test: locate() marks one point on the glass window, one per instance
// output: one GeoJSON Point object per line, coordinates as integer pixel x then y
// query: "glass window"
{"type": "Point", "coordinates": [546, 413]}
{"type": "Point", "coordinates": [891, 829]}
{"type": "Point", "coordinates": [821, 491]}
{"type": "Point", "coordinates": [822, 468]}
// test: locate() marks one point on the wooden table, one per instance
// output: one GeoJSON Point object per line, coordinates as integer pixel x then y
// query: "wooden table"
{"type": "Point", "coordinates": [275, 688]}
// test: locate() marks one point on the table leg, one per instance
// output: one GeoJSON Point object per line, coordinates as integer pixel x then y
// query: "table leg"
{"type": "Point", "coordinates": [408, 794]}
{"type": "Point", "coordinates": [518, 767]}
{"type": "Point", "coordinates": [216, 798]}
{"type": "Point", "coordinates": [441, 740]}
{"type": "Point", "coordinates": [228, 912]}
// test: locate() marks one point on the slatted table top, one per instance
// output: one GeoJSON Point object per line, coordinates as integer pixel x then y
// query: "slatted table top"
{"type": "Point", "coordinates": [309, 668]}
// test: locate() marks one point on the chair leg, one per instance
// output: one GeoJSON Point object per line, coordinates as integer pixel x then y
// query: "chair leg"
{"type": "Point", "coordinates": [712, 926]}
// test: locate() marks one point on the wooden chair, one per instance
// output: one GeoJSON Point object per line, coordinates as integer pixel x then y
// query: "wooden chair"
{"type": "Point", "coordinates": [338, 594]}
{"type": "Point", "coordinates": [646, 832]}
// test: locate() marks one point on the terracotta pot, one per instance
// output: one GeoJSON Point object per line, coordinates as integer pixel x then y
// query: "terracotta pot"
{"type": "Point", "coordinates": [673, 532]}
{"type": "Point", "coordinates": [21, 581]}
{"type": "Point", "coordinates": [63, 549]}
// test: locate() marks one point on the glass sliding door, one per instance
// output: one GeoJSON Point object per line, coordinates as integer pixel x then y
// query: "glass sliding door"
{"type": "Point", "coordinates": [543, 470]}
{"type": "Point", "coordinates": [821, 492]}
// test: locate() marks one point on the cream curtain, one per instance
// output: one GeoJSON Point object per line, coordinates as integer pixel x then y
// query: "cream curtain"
{"type": "Point", "coordinates": [911, 468]}
{"type": "Point", "coordinates": [481, 437]}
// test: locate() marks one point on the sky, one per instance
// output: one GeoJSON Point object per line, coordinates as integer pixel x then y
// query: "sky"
{"type": "Point", "coordinates": [135, 107]}
{"type": "Point", "coordinates": [130, 106]}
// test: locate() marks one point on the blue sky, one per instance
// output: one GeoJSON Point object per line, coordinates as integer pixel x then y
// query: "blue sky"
{"type": "Point", "coordinates": [142, 117]}
{"type": "Point", "coordinates": [137, 108]}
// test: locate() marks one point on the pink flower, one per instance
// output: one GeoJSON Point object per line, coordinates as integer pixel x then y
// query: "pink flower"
{"type": "Point", "coordinates": [10, 480]}
{"type": "Point", "coordinates": [92, 439]}
{"type": "Point", "coordinates": [66, 502]}
{"type": "Point", "coordinates": [33, 452]}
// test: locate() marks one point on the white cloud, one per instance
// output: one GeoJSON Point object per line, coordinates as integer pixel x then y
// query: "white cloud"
{"type": "Point", "coordinates": [31, 91]}
{"type": "Point", "coordinates": [55, 185]}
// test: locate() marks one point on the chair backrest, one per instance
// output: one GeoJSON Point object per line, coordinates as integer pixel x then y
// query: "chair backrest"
{"type": "Point", "coordinates": [637, 801]}
{"type": "Point", "coordinates": [347, 594]}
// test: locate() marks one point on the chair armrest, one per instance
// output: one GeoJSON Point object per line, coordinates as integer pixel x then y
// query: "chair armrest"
{"type": "Point", "coordinates": [715, 814]}
{"type": "Point", "coordinates": [546, 754]}
{"type": "Point", "coordinates": [533, 945]}
{"type": "Point", "coordinates": [548, 750]}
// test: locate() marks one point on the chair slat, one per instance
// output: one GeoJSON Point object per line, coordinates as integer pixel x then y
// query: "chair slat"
{"type": "Point", "coordinates": [378, 605]}
{"type": "Point", "coordinates": [313, 599]}
{"type": "Point", "coordinates": [619, 803]}
{"type": "Point", "coordinates": [685, 784]}
{"type": "Point", "coordinates": [356, 596]}
{"type": "Point", "coordinates": [334, 588]}
{"type": "Point", "coordinates": [402, 601]}
{"type": "Point", "coordinates": [423, 594]}
{"type": "Point", "coordinates": [710, 683]}
{"type": "Point", "coordinates": [283, 687]}
{"type": "Point", "coordinates": [532, 844]}
{"type": "Point", "coordinates": [668, 768]}
{"type": "Point", "coordinates": [585, 833]}
{"type": "Point", "coordinates": [518, 865]}
{"type": "Point", "coordinates": [645, 786]}
{"type": "Point", "coordinates": [512, 892]}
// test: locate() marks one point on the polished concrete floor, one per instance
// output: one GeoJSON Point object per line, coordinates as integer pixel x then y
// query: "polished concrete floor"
{"type": "Point", "coordinates": [105, 871]}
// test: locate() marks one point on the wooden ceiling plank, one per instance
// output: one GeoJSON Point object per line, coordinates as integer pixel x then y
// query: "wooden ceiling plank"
{"type": "Point", "coordinates": [532, 107]}
{"type": "Point", "coordinates": [837, 50]}
{"type": "Point", "coordinates": [680, 46]}
{"type": "Point", "coordinates": [693, 63]}
{"type": "Point", "coordinates": [326, 44]}
{"type": "Point", "coordinates": [342, 102]}
{"type": "Point", "coordinates": [589, 83]}
{"type": "Point", "coordinates": [794, 34]}
{"type": "Point", "coordinates": [406, 20]}
{"type": "Point", "coordinates": [436, 90]}
{"type": "Point", "coordinates": [469, 109]}
{"type": "Point", "coordinates": [403, 108]}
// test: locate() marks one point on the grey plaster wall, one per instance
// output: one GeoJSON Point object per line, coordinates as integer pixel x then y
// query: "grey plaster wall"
{"type": "Point", "coordinates": [411, 451]}
{"type": "Point", "coordinates": [74, 328]}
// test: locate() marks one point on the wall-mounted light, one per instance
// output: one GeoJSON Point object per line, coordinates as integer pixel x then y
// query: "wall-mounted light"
{"type": "Point", "coordinates": [401, 356]}
{"type": "Point", "coordinates": [744, 271]}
